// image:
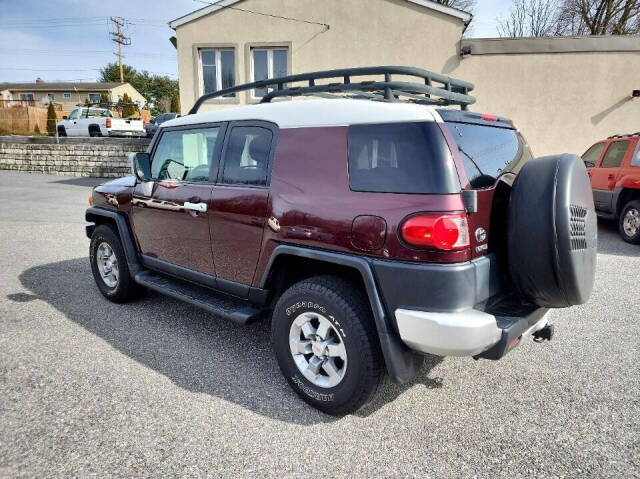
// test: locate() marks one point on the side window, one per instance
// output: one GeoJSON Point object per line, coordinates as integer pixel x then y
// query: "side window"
{"type": "Point", "coordinates": [74, 114]}
{"type": "Point", "coordinates": [615, 154]}
{"type": "Point", "coordinates": [246, 160]}
{"type": "Point", "coordinates": [185, 155]}
{"type": "Point", "coordinates": [635, 159]}
{"type": "Point", "coordinates": [592, 155]}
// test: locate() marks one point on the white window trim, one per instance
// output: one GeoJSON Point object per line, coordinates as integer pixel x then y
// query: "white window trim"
{"type": "Point", "coordinates": [269, 51]}
{"type": "Point", "coordinates": [51, 96]}
{"type": "Point", "coordinates": [66, 96]}
{"type": "Point", "coordinates": [33, 96]}
{"type": "Point", "coordinates": [218, 60]}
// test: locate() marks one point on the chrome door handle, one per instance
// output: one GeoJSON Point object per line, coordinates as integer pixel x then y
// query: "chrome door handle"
{"type": "Point", "coordinates": [199, 207]}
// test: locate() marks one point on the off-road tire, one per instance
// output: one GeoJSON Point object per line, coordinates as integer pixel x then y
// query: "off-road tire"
{"type": "Point", "coordinates": [126, 288]}
{"type": "Point", "coordinates": [629, 238]}
{"type": "Point", "coordinates": [347, 308]}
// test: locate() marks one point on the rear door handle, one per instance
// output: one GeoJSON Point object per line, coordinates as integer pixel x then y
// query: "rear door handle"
{"type": "Point", "coordinates": [611, 177]}
{"type": "Point", "coordinates": [199, 207]}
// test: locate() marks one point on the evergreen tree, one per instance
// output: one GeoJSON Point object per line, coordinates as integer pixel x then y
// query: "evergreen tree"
{"type": "Point", "coordinates": [175, 102]}
{"type": "Point", "coordinates": [52, 119]}
{"type": "Point", "coordinates": [128, 109]}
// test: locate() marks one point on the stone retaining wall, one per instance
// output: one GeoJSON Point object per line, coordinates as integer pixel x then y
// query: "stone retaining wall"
{"type": "Point", "coordinates": [93, 157]}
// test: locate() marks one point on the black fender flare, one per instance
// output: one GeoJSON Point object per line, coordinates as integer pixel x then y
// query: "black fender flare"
{"type": "Point", "coordinates": [402, 363]}
{"type": "Point", "coordinates": [94, 214]}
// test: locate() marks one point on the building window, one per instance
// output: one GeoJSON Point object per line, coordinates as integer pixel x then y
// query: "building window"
{"type": "Point", "coordinates": [51, 96]}
{"type": "Point", "coordinates": [218, 69]}
{"type": "Point", "coordinates": [26, 96]}
{"type": "Point", "coordinates": [66, 96]}
{"type": "Point", "coordinates": [94, 97]}
{"type": "Point", "coordinates": [268, 63]}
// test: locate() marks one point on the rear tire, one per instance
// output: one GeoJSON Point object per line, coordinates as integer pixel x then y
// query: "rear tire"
{"type": "Point", "coordinates": [629, 222]}
{"type": "Point", "coordinates": [95, 131]}
{"type": "Point", "coordinates": [109, 266]}
{"type": "Point", "coordinates": [338, 365]}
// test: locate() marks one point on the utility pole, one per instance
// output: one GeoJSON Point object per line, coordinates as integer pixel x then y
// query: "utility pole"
{"type": "Point", "coordinates": [119, 38]}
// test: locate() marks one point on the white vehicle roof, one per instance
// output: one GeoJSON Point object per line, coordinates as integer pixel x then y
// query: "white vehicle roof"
{"type": "Point", "coordinates": [315, 113]}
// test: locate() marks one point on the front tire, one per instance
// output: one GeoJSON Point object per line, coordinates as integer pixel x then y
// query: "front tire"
{"type": "Point", "coordinates": [62, 131]}
{"type": "Point", "coordinates": [326, 344]}
{"type": "Point", "coordinates": [629, 222]}
{"type": "Point", "coordinates": [109, 266]}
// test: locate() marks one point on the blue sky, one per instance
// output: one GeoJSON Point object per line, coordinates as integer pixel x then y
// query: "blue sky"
{"type": "Point", "coordinates": [69, 39]}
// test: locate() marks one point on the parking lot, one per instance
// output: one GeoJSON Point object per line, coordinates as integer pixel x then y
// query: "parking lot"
{"type": "Point", "coordinates": [157, 387]}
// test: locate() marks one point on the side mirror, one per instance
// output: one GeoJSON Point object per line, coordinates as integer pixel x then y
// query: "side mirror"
{"type": "Point", "coordinates": [141, 165]}
{"type": "Point", "coordinates": [65, 117]}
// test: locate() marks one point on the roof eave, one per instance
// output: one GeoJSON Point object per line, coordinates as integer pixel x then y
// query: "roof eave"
{"type": "Point", "coordinates": [220, 4]}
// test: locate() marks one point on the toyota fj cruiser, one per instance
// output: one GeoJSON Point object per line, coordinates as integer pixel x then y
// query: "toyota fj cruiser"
{"type": "Point", "coordinates": [371, 228]}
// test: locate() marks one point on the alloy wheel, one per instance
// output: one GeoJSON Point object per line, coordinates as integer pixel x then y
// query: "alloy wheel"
{"type": "Point", "coordinates": [107, 263]}
{"type": "Point", "coordinates": [317, 349]}
{"type": "Point", "coordinates": [631, 222]}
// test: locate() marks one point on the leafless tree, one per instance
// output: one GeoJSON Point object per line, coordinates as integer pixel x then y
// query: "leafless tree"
{"type": "Point", "coordinates": [599, 17]}
{"type": "Point", "coordinates": [530, 18]}
{"type": "Point", "coordinates": [465, 5]}
{"type": "Point", "coordinates": [468, 6]}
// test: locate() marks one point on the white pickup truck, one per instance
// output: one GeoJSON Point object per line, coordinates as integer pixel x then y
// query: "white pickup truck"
{"type": "Point", "coordinates": [89, 121]}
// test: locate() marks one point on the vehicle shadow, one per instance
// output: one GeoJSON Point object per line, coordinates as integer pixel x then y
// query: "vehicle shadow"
{"type": "Point", "coordinates": [610, 242]}
{"type": "Point", "coordinates": [82, 181]}
{"type": "Point", "coordinates": [195, 350]}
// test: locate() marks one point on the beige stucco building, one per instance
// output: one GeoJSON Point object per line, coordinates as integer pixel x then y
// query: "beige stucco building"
{"type": "Point", "coordinates": [563, 93]}
{"type": "Point", "coordinates": [68, 94]}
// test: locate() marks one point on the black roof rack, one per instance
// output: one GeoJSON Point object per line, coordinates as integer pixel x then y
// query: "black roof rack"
{"type": "Point", "coordinates": [449, 92]}
{"type": "Point", "coordinates": [637, 133]}
{"type": "Point", "coordinates": [107, 104]}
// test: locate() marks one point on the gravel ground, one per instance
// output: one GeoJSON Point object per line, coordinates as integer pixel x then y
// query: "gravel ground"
{"type": "Point", "coordinates": [157, 387]}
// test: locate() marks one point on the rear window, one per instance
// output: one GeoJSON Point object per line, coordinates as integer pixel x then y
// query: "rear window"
{"type": "Point", "coordinates": [400, 158]}
{"type": "Point", "coordinates": [488, 151]}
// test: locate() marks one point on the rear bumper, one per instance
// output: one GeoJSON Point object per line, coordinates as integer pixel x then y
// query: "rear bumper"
{"type": "Point", "coordinates": [460, 309]}
{"type": "Point", "coordinates": [466, 333]}
{"type": "Point", "coordinates": [127, 133]}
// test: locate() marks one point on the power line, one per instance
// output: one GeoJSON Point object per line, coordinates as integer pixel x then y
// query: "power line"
{"type": "Point", "coordinates": [325, 25]}
{"type": "Point", "coordinates": [74, 53]}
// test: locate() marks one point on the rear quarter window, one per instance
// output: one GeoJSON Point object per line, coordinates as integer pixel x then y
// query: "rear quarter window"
{"type": "Point", "coordinates": [400, 158]}
{"type": "Point", "coordinates": [488, 151]}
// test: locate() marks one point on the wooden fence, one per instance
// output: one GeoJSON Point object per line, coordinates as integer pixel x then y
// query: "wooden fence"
{"type": "Point", "coordinates": [18, 120]}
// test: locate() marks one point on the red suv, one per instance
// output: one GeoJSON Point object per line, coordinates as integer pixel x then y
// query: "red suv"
{"type": "Point", "coordinates": [614, 168]}
{"type": "Point", "coordinates": [371, 226]}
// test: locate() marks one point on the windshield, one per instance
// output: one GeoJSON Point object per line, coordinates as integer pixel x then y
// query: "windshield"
{"type": "Point", "coordinates": [488, 151]}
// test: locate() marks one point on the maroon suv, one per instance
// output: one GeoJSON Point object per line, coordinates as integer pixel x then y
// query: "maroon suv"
{"type": "Point", "coordinates": [371, 228]}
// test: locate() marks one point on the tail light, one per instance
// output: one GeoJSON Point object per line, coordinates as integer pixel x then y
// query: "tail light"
{"type": "Point", "coordinates": [441, 231]}
{"type": "Point", "coordinates": [144, 123]}
{"type": "Point", "coordinates": [107, 123]}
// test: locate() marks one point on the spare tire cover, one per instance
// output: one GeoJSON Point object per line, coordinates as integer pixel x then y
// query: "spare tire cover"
{"type": "Point", "coordinates": [552, 232]}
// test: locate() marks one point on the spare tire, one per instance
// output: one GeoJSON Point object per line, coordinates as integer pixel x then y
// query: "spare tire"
{"type": "Point", "coordinates": [552, 232]}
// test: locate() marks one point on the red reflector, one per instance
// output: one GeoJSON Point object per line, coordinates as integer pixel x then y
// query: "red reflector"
{"type": "Point", "coordinates": [107, 123]}
{"type": "Point", "coordinates": [489, 118]}
{"type": "Point", "coordinates": [446, 232]}
{"type": "Point", "coordinates": [513, 342]}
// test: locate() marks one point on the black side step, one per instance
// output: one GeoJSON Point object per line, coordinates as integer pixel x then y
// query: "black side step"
{"type": "Point", "coordinates": [234, 309]}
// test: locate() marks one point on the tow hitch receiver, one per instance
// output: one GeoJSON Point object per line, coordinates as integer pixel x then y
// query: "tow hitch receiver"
{"type": "Point", "coordinates": [545, 334]}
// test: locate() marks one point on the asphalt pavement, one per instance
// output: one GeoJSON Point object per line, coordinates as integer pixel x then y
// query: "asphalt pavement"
{"type": "Point", "coordinates": [160, 388]}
